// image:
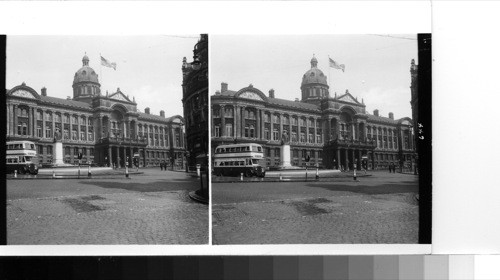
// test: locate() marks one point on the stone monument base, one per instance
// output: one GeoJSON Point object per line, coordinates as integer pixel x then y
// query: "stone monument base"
{"type": "Point", "coordinates": [57, 156]}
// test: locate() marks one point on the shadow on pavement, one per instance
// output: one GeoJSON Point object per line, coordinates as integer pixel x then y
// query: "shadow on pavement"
{"type": "Point", "coordinates": [156, 186]}
{"type": "Point", "coordinates": [388, 188]}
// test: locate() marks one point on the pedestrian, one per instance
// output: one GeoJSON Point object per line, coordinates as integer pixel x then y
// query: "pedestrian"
{"type": "Point", "coordinates": [161, 166]}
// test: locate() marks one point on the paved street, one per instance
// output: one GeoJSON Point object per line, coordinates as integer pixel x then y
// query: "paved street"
{"type": "Point", "coordinates": [151, 208]}
{"type": "Point", "coordinates": [381, 208]}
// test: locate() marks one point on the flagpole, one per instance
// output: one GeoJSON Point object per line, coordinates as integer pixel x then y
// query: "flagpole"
{"type": "Point", "coordinates": [329, 75]}
{"type": "Point", "coordinates": [100, 66]}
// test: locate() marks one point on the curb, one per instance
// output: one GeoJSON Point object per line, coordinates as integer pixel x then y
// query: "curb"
{"type": "Point", "coordinates": [194, 196]}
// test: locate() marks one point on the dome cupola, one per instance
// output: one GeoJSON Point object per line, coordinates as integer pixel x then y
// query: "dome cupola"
{"type": "Point", "coordinates": [86, 81]}
{"type": "Point", "coordinates": [314, 85]}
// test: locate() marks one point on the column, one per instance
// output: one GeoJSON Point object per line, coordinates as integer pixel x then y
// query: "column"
{"type": "Point", "coordinates": [235, 122]}
{"type": "Point", "coordinates": [54, 125]}
{"type": "Point", "coordinates": [262, 124]}
{"type": "Point", "coordinates": [242, 123]}
{"type": "Point", "coordinates": [222, 122]}
{"type": "Point", "coordinates": [298, 128]}
{"type": "Point", "coordinates": [353, 157]}
{"type": "Point", "coordinates": [281, 125]}
{"type": "Point", "coordinates": [15, 120]}
{"type": "Point", "coordinates": [212, 124]}
{"type": "Point", "coordinates": [315, 130]}
{"type": "Point", "coordinates": [346, 163]}
{"type": "Point", "coordinates": [271, 121]}
{"type": "Point", "coordinates": [128, 129]}
{"type": "Point", "coordinates": [307, 129]}
{"type": "Point", "coordinates": [44, 113]}
{"type": "Point", "coordinates": [99, 128]}
{"type": "Point", "coordinates": [359, 160]}
{"type": "Point", "coordinates": [110, 156]}
{"type": "Point", "coordinates": [257, 127]}
{"type": "Point", "coordinates": [337, 156]}
{"type": "Point", "coordinates": [78, 119]}
{"type": "Point", "coordinates": [136, 128]}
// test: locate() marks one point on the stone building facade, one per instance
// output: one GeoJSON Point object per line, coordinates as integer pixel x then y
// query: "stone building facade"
{"type": "Point", "coordinates": [195, 102]}
{"type": "Point", "coordinates": [334, 131]}
{"type": "Point", "coordinates": [106, 128]}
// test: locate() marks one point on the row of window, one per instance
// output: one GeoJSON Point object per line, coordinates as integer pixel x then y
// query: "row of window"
{"type": "Point", "coordinates": [250, 132]}
{"type": "Point", "coordinates": [48, 150]}
{"type": "Point", "coordinates": [251, 114]}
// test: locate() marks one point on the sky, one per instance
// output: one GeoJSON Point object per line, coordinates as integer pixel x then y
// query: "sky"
{"type": "Point", "coordinates": [377, 67]}
{"type": "Point", "coordinates": [148, 67]}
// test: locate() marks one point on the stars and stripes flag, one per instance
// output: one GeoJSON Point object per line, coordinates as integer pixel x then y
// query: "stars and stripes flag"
{"type": "Point", "coordinates": [335, 65]}
{"type": "Point", "coordinates": [105, 62]}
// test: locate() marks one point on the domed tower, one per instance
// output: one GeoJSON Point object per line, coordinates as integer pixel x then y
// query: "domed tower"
{"type": "Point", "coordinates": [86, 83]}
{"type": "Point", "coordinates": [314, 86]}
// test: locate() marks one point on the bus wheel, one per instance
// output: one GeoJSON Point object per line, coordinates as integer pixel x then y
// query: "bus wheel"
{"type": "Point", "coordinates": [248, 173]}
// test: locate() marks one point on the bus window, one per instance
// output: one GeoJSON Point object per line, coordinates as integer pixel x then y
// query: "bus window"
{"type": "Point", "coordinates": [255, 161]}
{"type": "Point", "coordinates": [32, 146]}
{"type": "Point", "coordinates": [242, 163]}
{"type": "Point", "coordinates": [247, 148]}
{"type": "Point", "coordinates": [237, 149]}
{"type": "Point", "coordinates": [259, 149]}
{"type": "Point", "coordinates": [28, 158]}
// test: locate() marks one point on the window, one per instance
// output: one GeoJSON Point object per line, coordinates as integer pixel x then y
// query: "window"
{"type": "Point", "coordinates": [217, 131]}
{"type": "Point", "coordinates": [49, 149]}
{"type": "Point", "coordinates": [267, 134]}
{"type": "Point", "coordinates": [228, 112]}
{"type": "Point", "coordinates": [229, 129]}
{"type": "Point", "coordinates": [48, 132]}
{"type": "Point", "coordinates": [311, 138]}
{"type": "Point", "coordinates": [275, 134]}
{"type": "Point", "coordinates": [90, 121]}
{"type": "Point", "coordinates": [266, 117]}
{"type": "Point", "coordinates": [276, 119]}
{"type": "Point", "coordinates": [82, 135]}
{"type": "Point", "coordinates": [75, 151]}
{"type": "Point", "coordinates": [177, 140]}
{"type": "Point", "coordinates": [90, 134]}
{"type": "Point", "coordinates": [39, 149]}
{"type": "Point", "coordinates": [302, 137]}
{"type": "Point", "coordinates": [66, 151]}
{"type": "Point", "coordinates": [39, 115]}
{"type": "Point", "coordinates": [318, 138]}
{"type": "Point", "coordinates": [39, 131]}
{"type": "Point", "coordinates": [302, 122]}
{"type": "Point", "coordinates": [74, 119]}
{"type": "Point", "coordinates": [216, 113]}
{"type": "Point", "coordinates": [294, 136]}
{"type": "Point", "coordinates": [66, 118]}
{"type": "Point", "coordinates": [74, 134]}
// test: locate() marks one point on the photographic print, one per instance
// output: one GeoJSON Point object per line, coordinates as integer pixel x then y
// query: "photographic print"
{"type": "Point", "coordinates": [314, 139]}
{"type": "Point", "coordinates": [102, 144]}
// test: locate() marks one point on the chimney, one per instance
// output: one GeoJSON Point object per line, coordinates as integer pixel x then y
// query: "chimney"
{"type": "Point", "coordinates": [375, 112]}
{"type": "Point", "coordinates": [44, 91]}
{"type": "Point", "coordinates": [146, 110]}
{"type": "Point", "coordinates": [391, 115]}
{"type": "Point", "coordinates": [271, 93]}
{"type": "Point", "coordinates": [217, 92]}
{"type": "Point", "coordinates": [223, 87]}
{"type": "Point", "coordinates": [162, 113]}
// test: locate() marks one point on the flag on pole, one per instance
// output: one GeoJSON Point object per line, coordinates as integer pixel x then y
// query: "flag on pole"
{"type": "Point", "coordinates": [105, 62]}
{"type": "Point", "coordinates": [335, 65]}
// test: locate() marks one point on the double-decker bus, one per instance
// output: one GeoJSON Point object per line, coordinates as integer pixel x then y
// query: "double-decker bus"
{"type": "Point", "coordinates": [21, 156]}
{"type": "Point", "coordinates": [232, 160]}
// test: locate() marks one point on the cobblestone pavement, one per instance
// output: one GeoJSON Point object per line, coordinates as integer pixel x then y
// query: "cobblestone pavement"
{"type": "Point", "coordinates": [378, 209]}
{"type": "Point", "coordinates": [152, 208]}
